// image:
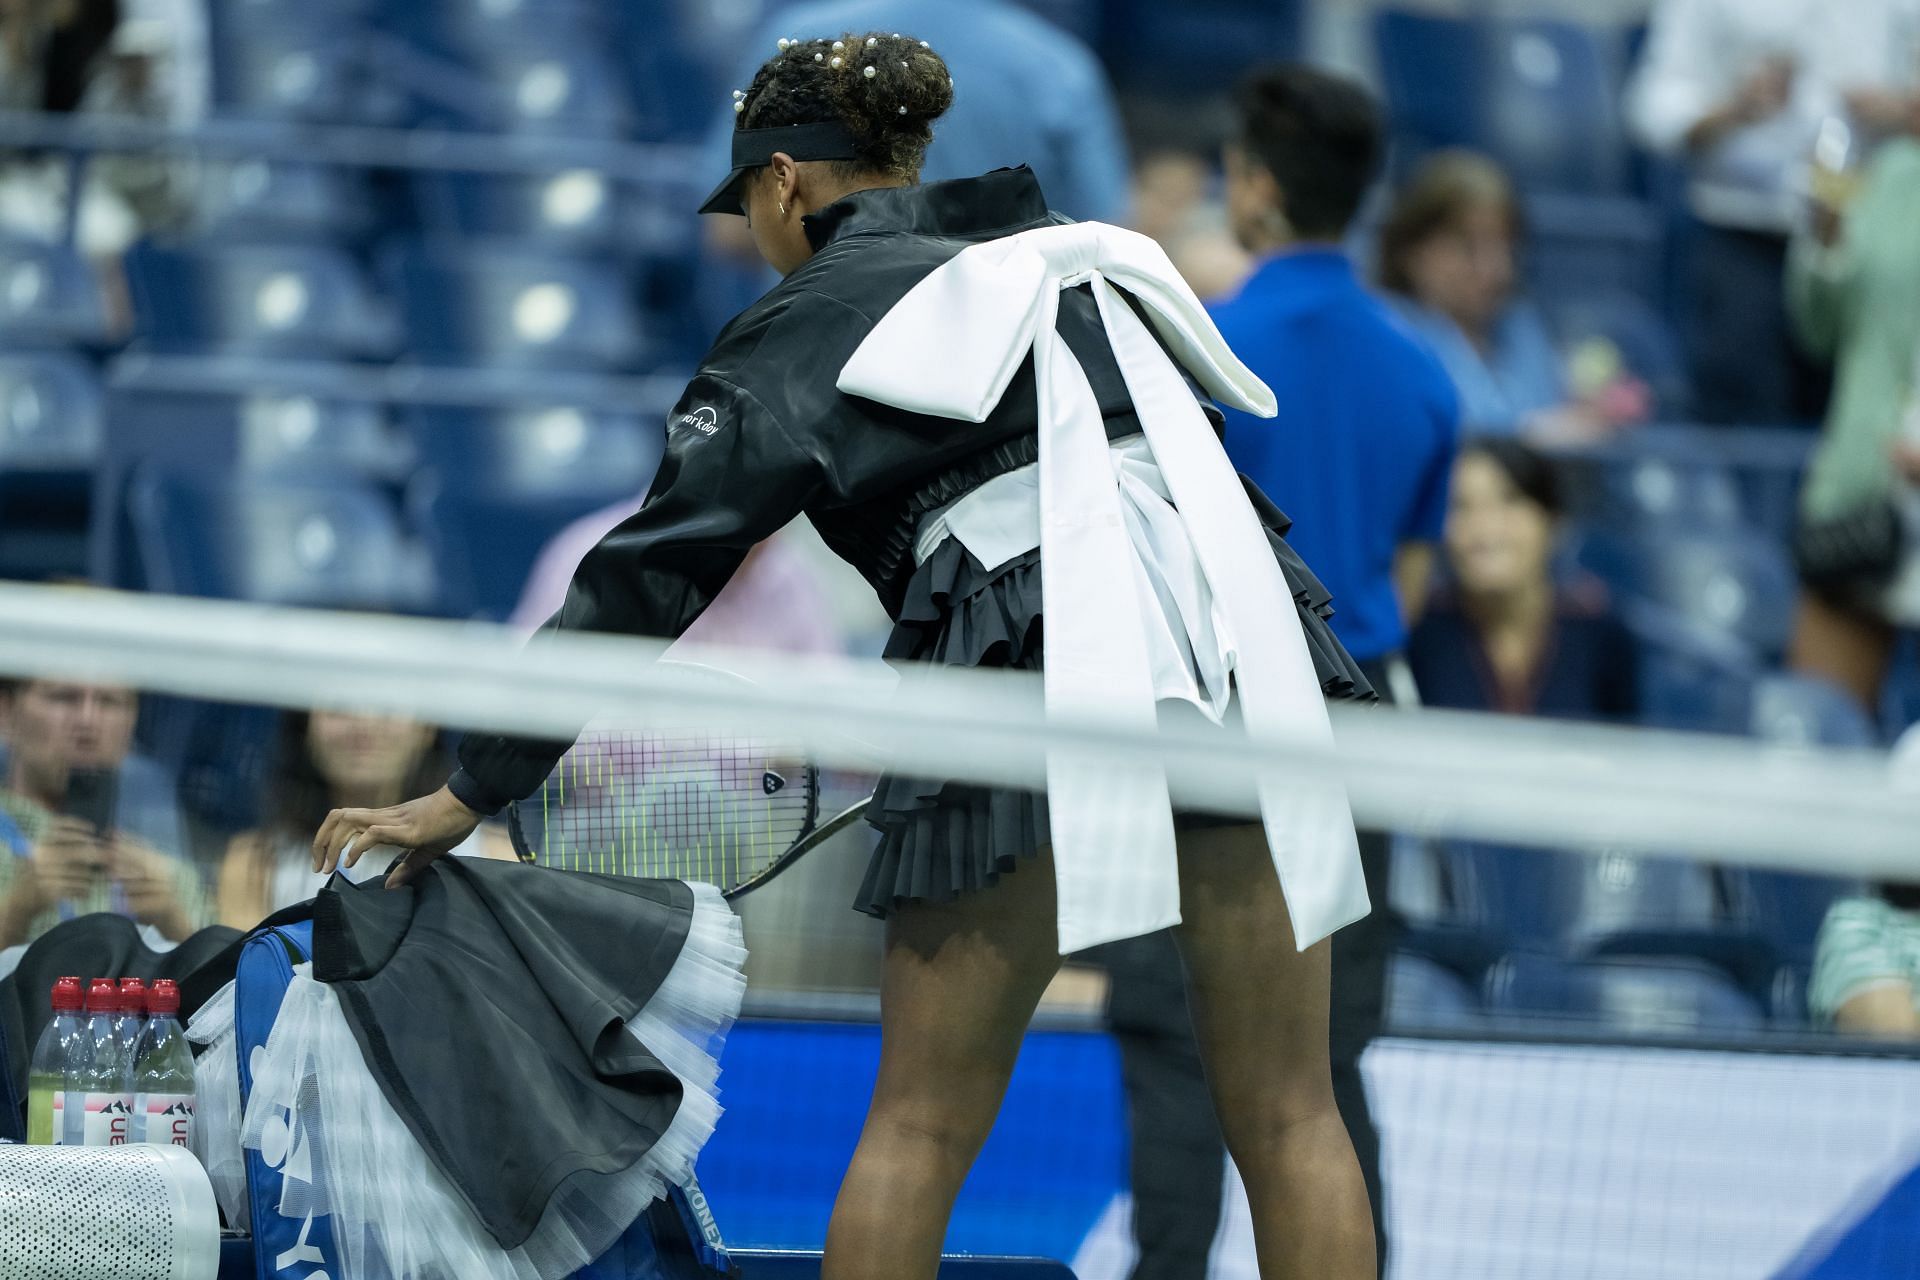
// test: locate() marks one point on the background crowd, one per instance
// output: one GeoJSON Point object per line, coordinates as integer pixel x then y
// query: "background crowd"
{"type": "Point", "coordinates": [1595, 329]}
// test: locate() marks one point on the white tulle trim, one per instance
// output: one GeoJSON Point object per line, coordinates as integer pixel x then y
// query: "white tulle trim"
{"type": "Point", "coordinates": [216, 1085]}
{"type": "Point", "coordinates": [316, 1112]}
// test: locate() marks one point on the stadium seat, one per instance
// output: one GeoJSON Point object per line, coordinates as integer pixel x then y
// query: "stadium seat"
{"type": "Point", "coordinates": [573, 210]}
{"type": "Point", "coordinates": [484, 544]}
{"type": "Point", "coordinates": [1652, 491]}
{"type": "Point", "coordinates": [1597, 247]}
{"type": "Point", "coordinates": [509, 305]}
{"type": "Point", "coordinates": [1786, 909]}
{"type": "Point", "coordinates": [48, 296]}
{"type": "Point", "coordinates": [276, 539]}
{"type": "Point", "coordinates": [1540, 96]}
{"type": "Point", "coordinates": [516, 66]}
{"type": "Point", "coordinates": [50, 412]}
{"type": "Point", "coordinates": [1689, 679]}
{"type": "Point", "coordinates": [309, 301]}
{"type": "Point", "coordinates": [1422, 994]}
{"type": "Point", "coordinates": [1804, 711]}
{"type": "Point", "coordinates": [1734, 584]}
{"type": "Point", "coordinates": [274, 200]}
{"type": "Point", "coordinates": [555, 452]}
{"type": "Point", "coordinates": [1188, 50]}
{"type": "Point", "coordinates": [1638, 997]}
{"type": "Point", "coordinates": [292, 62]}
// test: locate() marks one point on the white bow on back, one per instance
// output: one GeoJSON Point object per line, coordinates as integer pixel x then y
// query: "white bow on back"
{"type": "Point", "coordinates": [949, 348]}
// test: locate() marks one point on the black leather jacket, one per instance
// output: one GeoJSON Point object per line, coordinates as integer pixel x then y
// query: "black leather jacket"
{"type": "Point", "coordinates": [762, 435]}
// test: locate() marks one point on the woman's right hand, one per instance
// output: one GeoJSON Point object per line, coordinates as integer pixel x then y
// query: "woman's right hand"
{"type": "Point", "coordinates": [427, 827]}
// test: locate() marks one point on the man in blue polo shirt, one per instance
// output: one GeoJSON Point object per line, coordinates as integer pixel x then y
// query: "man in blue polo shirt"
{"type": "Point", "coordinates": [1359, 457]}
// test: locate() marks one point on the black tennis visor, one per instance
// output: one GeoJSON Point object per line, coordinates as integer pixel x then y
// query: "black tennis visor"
{"type": "Point", "coordinates": [755, 149]}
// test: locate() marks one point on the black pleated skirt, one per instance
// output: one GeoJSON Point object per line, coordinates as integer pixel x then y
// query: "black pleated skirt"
{"type": "Point", "coordinates": [940, 838]}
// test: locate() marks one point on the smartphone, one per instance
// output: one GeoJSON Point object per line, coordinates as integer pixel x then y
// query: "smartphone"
{"type": "Point", "coordinates": [91, 797]}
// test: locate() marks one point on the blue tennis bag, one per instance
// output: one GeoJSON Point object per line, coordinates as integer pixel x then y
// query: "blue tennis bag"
{"type": "Point", "coordinates": [676, 1239]}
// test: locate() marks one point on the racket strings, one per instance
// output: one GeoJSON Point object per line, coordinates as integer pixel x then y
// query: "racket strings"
{"type": "Point", "coordinates": [716, 808]}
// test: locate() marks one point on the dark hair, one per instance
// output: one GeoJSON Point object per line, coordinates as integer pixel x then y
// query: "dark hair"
{"type": "Point", "coordinates": [1438, 195]}
{"type": "Point", "coordinates": [890, 111]}
{"type": "Point", "coordinates": [1902, 894]}
{"type": "Point", "coordinates": [1318, 135]}
{"type": "Point", "coordinates": [1526, 468]}
{"type": "Point", "coordinates": [298, 797]}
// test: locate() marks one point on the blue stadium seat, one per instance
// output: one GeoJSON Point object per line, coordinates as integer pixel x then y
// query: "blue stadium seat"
{"type": "Point", "coordinates": [484, 544]}
{"type": "Point", "coordinates": [556, 452]}
{"type": "Point", "coordinates": [50, 412]}
{"type": "Point", "coordinates": [265, 199]}
{"type": "Point", "coordinates": [1650, 491]}
{"type": "Point", "coordinates": [307, 301]}
{"type": "Point", "coordinates": [1582, 248]}
{"type": "Point", "coordinates": [1422, 994]}
{"type": "Point", "coordinates": [573, 210]}
{"type": "Point", "coordinates": [1641, 997]}
{"type": "Point", "coordinates": [274, 60]}
{"type": "Point", "coordinates": [517, 66]}
{"type": "Point", "coordinates": [1189, 50]}
{"type": "Point", "coordinates": [278, 540]}
{"type": "Point", "coordinates": [1690, 679]}
{"type": "Point", "coordinates": [48, 296]}
{"type": "Point", "coordinates": [1541, 96]}
{"type": "Point", "coordinates": [1785, 908]}
{"type": "Point", "coordinates": [1734, 584]}
{"type": "Point", "coordinates": [1804, 711]}
{"type": "Point", "coordinates": [509, 305]}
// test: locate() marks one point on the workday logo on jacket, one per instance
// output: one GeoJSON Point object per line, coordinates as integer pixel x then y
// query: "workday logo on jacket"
{"type": "Point", "coordinates": [703, 419]}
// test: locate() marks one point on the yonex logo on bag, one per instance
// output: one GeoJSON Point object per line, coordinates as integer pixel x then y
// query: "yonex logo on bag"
{"type": "Point", "coordinates": [704, 420]}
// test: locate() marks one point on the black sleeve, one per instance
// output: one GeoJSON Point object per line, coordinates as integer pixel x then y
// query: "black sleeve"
{"type": "Point", "coordinates": [730, 477]}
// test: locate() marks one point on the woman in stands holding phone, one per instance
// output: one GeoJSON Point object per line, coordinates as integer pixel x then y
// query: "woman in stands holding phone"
{"type": "Point", "coordinates": [896, 388]}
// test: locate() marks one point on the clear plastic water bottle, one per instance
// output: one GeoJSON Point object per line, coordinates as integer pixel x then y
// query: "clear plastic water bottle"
{"type": "Point", "coordinates": [106, 1103]}
{"type": "Point", "coordinates": [60, 1043]}
{"type": "Point", "coordinates": [163, 1099]}
{"type": "Point", "coordinates": [132, 1020]}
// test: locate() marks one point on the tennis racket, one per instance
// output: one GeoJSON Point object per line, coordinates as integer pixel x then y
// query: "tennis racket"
{"type": "Point", "coordinates": [678, 803]}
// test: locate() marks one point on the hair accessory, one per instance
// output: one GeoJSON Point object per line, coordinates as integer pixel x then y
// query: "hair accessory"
{"type": "Point", "coordinates": [903, 66]}
{"type": "Point", "coordinates": [925, 45]}
{"type": "Point", "coordinates": [836, 63]}
{"type": "Point", "coordinates": [871, 41]}
{"type": "Point", "coordinates": [739, 94]}
{"type": "Point", "coordinates": [819, 57]}
{"type": "Point", "coordinates": [784, 43]}
{"type": "Point", "coordinates": [896, 35]}
{"type": "Point", "coordinates": [738, 106]}
{"type": "Point", "coordinates": [839, 46]}
{"type": "Point", "coordinates": [868, 71]}
{"type": "Point", "coordinates": [903, 111]}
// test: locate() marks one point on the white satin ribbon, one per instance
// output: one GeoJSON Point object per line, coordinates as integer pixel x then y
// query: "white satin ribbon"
{"type": "Point", "coordinates": [978, 316]}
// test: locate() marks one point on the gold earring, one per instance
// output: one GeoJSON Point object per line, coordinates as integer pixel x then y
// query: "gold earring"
{"type": "Point", "coordinates": [783, 208]}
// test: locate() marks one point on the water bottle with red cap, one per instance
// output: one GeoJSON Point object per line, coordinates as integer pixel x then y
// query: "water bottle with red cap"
{"type": "Point", "coordinates": [132, 1020]}
{"type": "Point", "coordinates": [101, 1081]}
{"type": "Point", "coordinates": [60, 1045]}
{"type": "Point", "coordinates": [163, 1098]}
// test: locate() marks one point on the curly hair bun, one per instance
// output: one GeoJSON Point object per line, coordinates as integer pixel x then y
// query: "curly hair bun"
{"type": "Point", "coordinates": [886, 89]}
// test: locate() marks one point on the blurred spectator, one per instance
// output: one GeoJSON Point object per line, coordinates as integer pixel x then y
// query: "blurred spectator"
{"type": "Point", "coordinates": [1030, 94]}
{"type": "Point", "coordinates": [772, 602]}
{"type": "Point", "coordinates": [1854, 290]}
{"type": "Point", "coordinates": [62, 859]}
{"type": "Point", "coordinates": [1866, 965]}
{"type": "Point", "coordinates": [1449, 251]}
{"type": "Point", "coordinates": [1502, 635]}
{"type": "Point", "coordinates": [1738, 89]}
{"type": "Point", "coordinates": [328, 760]}
{"type": "Point", "coordinates": [1174, 202]}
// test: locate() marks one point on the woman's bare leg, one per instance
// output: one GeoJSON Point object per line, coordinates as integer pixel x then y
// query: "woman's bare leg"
{"type": "Point", "coordinates": [1260, 1013]}
{"type": "Point", "coordinates": [959, 987]}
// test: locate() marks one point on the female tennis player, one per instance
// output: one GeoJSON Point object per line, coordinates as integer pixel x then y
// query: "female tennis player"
{"type": "Point", "coordinates": [951, 384]}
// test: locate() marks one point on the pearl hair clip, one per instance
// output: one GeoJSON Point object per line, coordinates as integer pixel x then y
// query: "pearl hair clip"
{"type": "Point", "coordinates": [868, 71]}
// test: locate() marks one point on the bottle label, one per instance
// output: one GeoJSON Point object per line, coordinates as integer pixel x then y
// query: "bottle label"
{"type": "Point", "coordinates": [165, 1119]}
{"type": "Point", "coordinates": [108, 1116]}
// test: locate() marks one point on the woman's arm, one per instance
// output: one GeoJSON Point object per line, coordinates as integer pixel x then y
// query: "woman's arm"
{"type": "Point", "coordinates": [731, 476]}
{"type": "Point", "coordinates": [1884, 1009]}
{"type": "Point", "coordinates": [240, 888]}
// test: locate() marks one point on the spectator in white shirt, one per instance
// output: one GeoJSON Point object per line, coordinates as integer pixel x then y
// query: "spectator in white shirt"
{"type": "Point", "coordinates": [1738, 90]}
